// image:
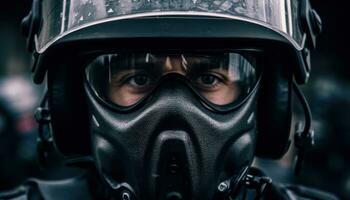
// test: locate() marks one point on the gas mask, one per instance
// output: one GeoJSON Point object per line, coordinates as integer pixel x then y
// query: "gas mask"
{"type": "Point", "coordinates": [174, 125]}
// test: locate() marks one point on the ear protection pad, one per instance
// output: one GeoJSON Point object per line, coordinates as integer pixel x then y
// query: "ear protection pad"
{"type": "Point", "coordinates": [274, 110]}
{"type": "Point", "coordinates": [68, 109]}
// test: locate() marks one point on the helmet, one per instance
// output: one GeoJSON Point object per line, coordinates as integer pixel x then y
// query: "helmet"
{"type": "Point", "coordinates": [171, 99]}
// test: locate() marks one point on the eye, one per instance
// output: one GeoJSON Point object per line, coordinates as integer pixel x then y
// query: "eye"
{"type": "Point", "coordinates": [138, 80]}
{"type": "Point", "coordinates": [208, 80]}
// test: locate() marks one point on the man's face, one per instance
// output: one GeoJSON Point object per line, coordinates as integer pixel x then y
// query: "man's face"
{"type": "Point", "coordinates": [129, 82]}
{"type": "Point", "coordinates": [177, 123]}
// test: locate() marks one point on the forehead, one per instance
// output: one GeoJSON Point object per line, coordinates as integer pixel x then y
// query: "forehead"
{"type": "Point", "coordinates": [149, 57]}
{"type": "Point", "coordinates": [162, 61]}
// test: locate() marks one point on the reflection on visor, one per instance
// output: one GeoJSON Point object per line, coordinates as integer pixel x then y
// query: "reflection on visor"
{"type": "Point", "coordinates": [62, 17]}
{"type": "Point", "coordinates": [124, 79]}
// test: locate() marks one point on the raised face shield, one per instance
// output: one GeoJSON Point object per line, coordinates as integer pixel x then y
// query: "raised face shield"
{"type": "Point", "coordinates": [218, 78]}
{"type": "Point", "coordinates": [61, 18]}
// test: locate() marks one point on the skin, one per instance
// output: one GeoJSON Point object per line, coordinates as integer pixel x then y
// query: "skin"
{"type": "Point", "coordinates": [216, 84]}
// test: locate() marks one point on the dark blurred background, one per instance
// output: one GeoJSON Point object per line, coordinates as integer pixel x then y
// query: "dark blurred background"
{"type": "Point", "coordinates": [328, 91]}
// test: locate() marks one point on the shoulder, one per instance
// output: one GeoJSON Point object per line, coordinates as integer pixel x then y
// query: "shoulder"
{"type": "Point", "coordinates": [309, 193]}
{"type": "Point", "coordinates": [297, 192]}
{"type": "Point", "coordinates": [279, 191]}
{"type": "Point", "coordinates": [78, 187]}
{"type": "Point", "coordinates": [17, 193]}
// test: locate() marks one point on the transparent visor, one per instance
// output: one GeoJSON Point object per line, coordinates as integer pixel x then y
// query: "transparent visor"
{"type": "Point", "coordinates": [125, 79]}
{"type": "Point", "coordinates": [63, 17]}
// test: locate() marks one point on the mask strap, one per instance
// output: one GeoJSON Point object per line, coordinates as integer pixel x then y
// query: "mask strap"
{"type": "Point", "coordinates": [303, 138]}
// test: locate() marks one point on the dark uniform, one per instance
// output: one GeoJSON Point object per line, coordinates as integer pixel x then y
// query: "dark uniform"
{"type": "Point", "coordinates": [87, 186]}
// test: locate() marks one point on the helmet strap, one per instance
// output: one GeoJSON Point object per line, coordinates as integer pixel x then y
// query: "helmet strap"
{"type": "Point", "coordinates": [303, 137]}
{"type": "Point", "coordinates": [45, 140]}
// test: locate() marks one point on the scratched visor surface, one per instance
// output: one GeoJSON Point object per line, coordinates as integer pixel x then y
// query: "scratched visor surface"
{"type": "Point", "coordinates": [63, 17]}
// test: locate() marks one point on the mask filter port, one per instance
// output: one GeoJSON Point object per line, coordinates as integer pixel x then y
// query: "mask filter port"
{"type": "Point", "coordinates": [173, 182]}
{"type": "Point", "coordinates": [174, 176]}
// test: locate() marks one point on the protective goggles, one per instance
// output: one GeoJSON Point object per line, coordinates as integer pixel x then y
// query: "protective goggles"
{"type": "Point", "coordinates": [124, 79]}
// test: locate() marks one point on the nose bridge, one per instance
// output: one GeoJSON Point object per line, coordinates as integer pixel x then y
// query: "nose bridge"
{"type": "Point", "coordinates": [174, 90]}
{"type": "Point", "coordinates": [172, 104]}
{"type": "Point", "coordinates": [174, 63]}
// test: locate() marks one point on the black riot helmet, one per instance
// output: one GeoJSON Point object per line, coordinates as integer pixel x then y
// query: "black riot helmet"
{"type": "Point", "coordinates": [171, 99]}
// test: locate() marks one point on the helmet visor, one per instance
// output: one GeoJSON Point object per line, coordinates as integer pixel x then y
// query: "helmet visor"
{"type": "Point", "coordinates": [62, 17]}
{"type": "Point", "coordinates": [124, 79]}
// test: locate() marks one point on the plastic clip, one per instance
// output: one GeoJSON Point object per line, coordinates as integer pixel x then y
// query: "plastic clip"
{"type": "Point", "coordinates": [45, 141]}
{"type": "Point", "coordinates": [259, 183]}
{"type": "Point", "coordinates": [303, 141]}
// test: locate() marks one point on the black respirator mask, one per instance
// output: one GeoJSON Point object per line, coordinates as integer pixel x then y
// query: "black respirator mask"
{"type": "Point", "coordinates": [173, 125]}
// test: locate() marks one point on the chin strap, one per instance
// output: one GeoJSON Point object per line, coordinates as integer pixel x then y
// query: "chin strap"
{"type": "Point", "coordinates": [303, 137]}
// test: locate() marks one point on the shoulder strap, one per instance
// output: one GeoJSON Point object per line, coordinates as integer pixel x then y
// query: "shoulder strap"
{"type": "Point", "coordinates": [78, 187]}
